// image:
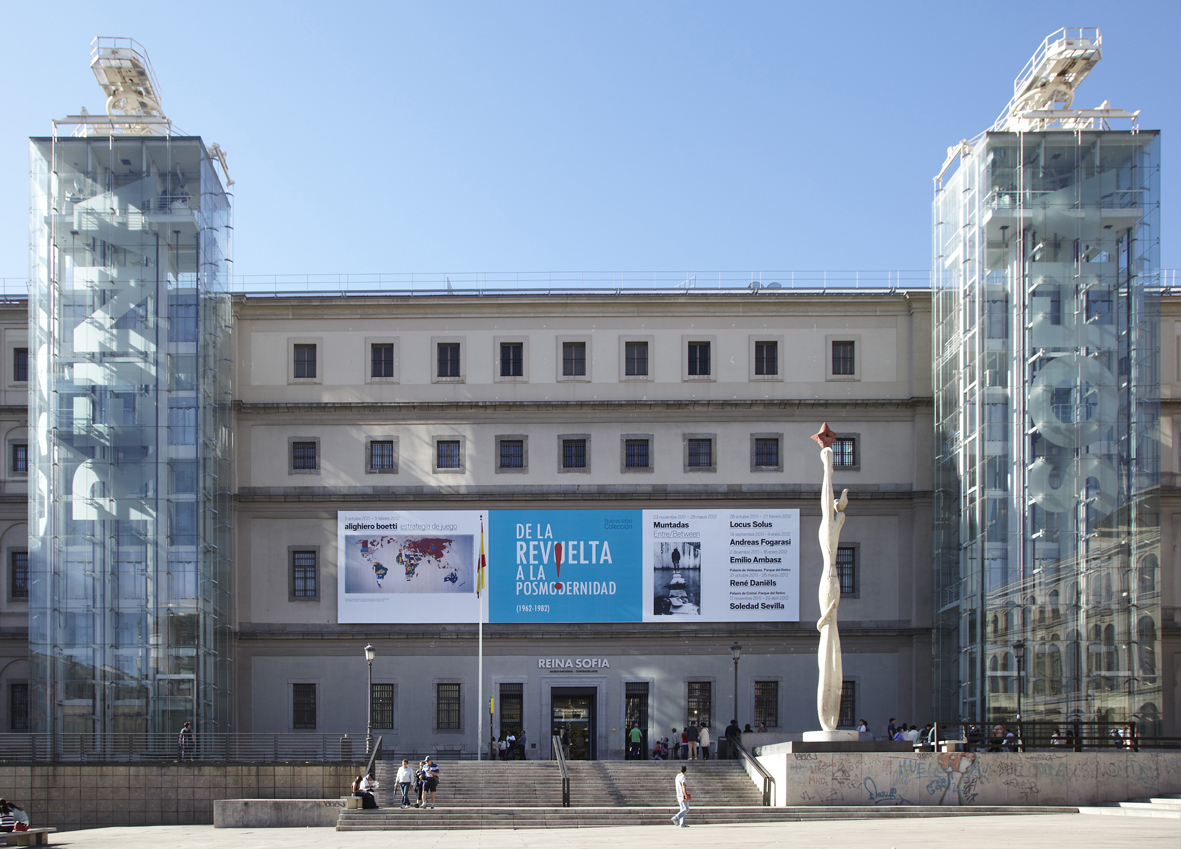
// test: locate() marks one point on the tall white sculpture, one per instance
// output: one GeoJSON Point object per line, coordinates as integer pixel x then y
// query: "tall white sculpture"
{"type": "Point", "coordinates": [832, 519]}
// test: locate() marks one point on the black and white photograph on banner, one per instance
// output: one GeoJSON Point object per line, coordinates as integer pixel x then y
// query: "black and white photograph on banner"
{"type": "Point", "coordinates": [676, 583]}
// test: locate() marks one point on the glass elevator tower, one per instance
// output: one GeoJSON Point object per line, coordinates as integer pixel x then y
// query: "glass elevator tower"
{"type": "Point", "coordinates": [1045, 242]}
{"type": "Point", "coordinates": [129, 409]}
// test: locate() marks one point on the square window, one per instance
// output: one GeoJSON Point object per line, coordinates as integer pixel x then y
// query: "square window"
{"type": "Point", "coordinates": [636, 454]}
{"type": "Point", "coordinates": [766, 704]}
{"type": "Point", "coordinates": [848, 714]}
{"type": "Point", "coordinates": [20, 365]}
{"type": "Point", "coordinates": [767, 452]}
{"type": "Point", "coordinates": [18, 706]}
{"type": "Point", "coordinates": [766, 358]}
{"type": "Point", "coordinates": [381, 455]}
{"type": "Point", "coordinates": [512, 359]}
{"type": "Point", "coordinates": [382, 360]}
{"type": "Point", "coordinates": [847, 569]}
{"type": "Point", "coordinates": [844, 361]}
{"type": "Point", "coordinates": [303, 456]}
{"type": "Point", "coordinates": [699, 359]}
{"type": "Point", "coordinates": [381, 705]}
{"type": "Point", "coordinates": [574, 359]}
{"type": "Point", "coordinates": [20, 458]}
{"type": "Point", "coordinates": [304, 583]}
{"type": "Point", "coordinates": [447, 454]}
{"type": "Point", "coordinates": [844, 452]}
{"type": "Point", "coordinates": [305, 361]}
{"type": "Point", "coordinates": [573, 453]}
{"type": "Point", "coordinates": [512, 453]}
{"type": "Point", "coordinates": [448, 359]}
{"type": "Point", "coordinates": [636, 359]}
{"type": "Point", "coordinates": [447, 704]}
{"type": "Point", "coordinates": [700, 453]}
{"type": "Point", "coordinates": [303, 707]}
{"type": "Point", "coordinates": [18, 576]}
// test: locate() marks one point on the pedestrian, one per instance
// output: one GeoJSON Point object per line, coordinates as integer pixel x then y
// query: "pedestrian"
{"type": "Point", "coordinates": [703, 741]}
{"type": "Point", "coordinates": [420, 782]}
{"type": "Point", "coordinates": [899, 731]}
{"type": "Point", "coordinates": [512, 746]}
{"type": "Point", "coordinates": [684, 744]}
{"type": "Point", "coordinates": [502, 748]}
{"type": "Point", "coordinates": [693, 734]}
{"type": "Point", "coordinates": [635, 737]}
{"type": "Point", "coordinates": [748, 729]}
{"type": "Point", "coordinates": [432, 780]}
{"type": "Point", "coordinates": [521, 744]}
{"type": "Point", "coordinates": [676, 745]}
{"type": "Point", "coordinates": [683, 798]}
{"type": "Point", "coordinates": [733, 734]}
{"type": "Point", "coordinates": [891, 729]}
{"type": "Point", "coordinates": [566, 743]}
{"type": "Point", "coordinates": [405, 779]}
{"type": "Point", "coordinates": [185, 741]}
{"type": "Point", "coordinates": [862, 727]}
{"type": "Point", "coordinates": [912, 734]}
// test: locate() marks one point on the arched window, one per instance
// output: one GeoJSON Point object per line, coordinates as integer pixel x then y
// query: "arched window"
{"type": "Point", "coordinates": [994, 681]}
{"type": "Point", "coordinates": [1073, 671]}
{"type": "Point", "coordinates": [1146, 646]}
{"type": "Point", "coordinates": [1055, 610]}
{"type": "Point", "coordinates": [1110, 659]}
{"type": "Point", "coordinates": [1040, 669]}
{"type": "Point", "coordinates": [1054, 668]}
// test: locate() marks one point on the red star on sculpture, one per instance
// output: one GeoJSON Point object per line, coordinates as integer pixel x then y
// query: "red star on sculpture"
{"type": "Point", "coordinates": [824, 437]}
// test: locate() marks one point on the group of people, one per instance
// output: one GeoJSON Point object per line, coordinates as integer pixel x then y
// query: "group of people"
{"type": "Point", "coordinates": [509, 747]}
{"type": "Point", "coordinates": [691, 744]}
{"type": "Point", "coordinates": [905, 733]}
{"type": "Point", "coordinates": [13, 817]}
{"type": "Point", "coordinates": [1000, 739]}
{"type": "Point", "coordinates": [424, 779]}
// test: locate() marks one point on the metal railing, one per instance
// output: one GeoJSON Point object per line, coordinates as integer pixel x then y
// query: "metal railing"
{"type": "Point", "coordinates": [768, 780]}
{"type": "Point", "coordinates": [373, 756]}
{"type": "Point", "coordinates": [1060, 736]}
{"type": "Point", "coordinates": [245, 748]}
{"type": "Point", "coordinates": [558, 754]}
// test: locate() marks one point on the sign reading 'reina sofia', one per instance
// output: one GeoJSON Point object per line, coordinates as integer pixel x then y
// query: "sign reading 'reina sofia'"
{"type": "Point", "coordinates": [573, 663]}
{"type": "Point", "coordinates": [569, 566]}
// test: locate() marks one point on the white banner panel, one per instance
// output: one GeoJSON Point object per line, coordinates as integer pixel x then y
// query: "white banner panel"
{"type": "Point", "coordinates": [415, 567]}
{"type": "Point", "coordinates": [721, 565]}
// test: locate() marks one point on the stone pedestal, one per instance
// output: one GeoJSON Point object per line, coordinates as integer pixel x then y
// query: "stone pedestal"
{"type": "Point", "coordinates": [831, 736]}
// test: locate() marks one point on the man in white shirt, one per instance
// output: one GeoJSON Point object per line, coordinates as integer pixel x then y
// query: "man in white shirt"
{"type": "Point", "coordinates": [405, 779]}
{"type": "Point", "coordinates": [682, 799]}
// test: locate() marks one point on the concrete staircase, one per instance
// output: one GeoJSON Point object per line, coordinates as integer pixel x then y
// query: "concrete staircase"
{"type": "Point", "coordinates": [644, 784]}
{"type": "Point", "coordinates": [1161, 807]}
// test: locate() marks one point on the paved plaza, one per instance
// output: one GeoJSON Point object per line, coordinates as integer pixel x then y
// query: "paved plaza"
{"type": "Point", "coordinates": [996, 832]}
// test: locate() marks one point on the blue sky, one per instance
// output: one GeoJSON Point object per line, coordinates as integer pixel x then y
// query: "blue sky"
{"type": "Point", "coordinates": [543, 136]}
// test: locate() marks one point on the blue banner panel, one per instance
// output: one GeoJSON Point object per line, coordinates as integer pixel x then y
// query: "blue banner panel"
{"type": "Point", "coordinates": [565, 566]}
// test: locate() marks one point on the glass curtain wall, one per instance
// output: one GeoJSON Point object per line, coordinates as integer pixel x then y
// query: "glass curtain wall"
{"type": "Point", "coordinates": [129, 323]}
{"type": "Point", "coordinates": [1047, 410]}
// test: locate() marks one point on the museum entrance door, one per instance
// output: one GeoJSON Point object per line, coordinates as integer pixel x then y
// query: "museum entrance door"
{"type": "Point", "coordinates": [572, 717]}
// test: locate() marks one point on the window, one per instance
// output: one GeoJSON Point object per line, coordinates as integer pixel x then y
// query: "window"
{"type": "Point", "coordinates": [20, 458]}
{"type": "Point", "coordinates": [447, 706]}
{"type": "Point", "coordinates": [182, 421]}
{"type": "Point", "coordinates": [303, 706]}
{"type": "Point", "coordinates": [182, 318]}
{"type": "Point", "coordinates": [303, 456]}
{"type": "Point", "coordinates": [848, 715]}
{"type": "Point", "coordinates": [844, 360]}
{"type": "Point", "coordinates": [699, 359]}
{"type": "Point", "coordinates": [844, 451]}
{"type": "Point", "coordinates": [573, 453]}
{"type": "Point", "coordinates": [573, 359]}
{"type": "Point", "coordinates": [449, 359]}
{"type": "Point", "coordinates": [381, 705]}
{"type": "Point", "coordinates": [766, 358]}
{"type": "Point", "coordinates": [512, 701]}
{"type": "Point", "coordinates": [512, 453]}
{"type": "Point", "coordinates": [382, 356]}
{"type": "Point", "coordinates": [636, 453]}
{"type": "Point", "coordinates": [512, 359]}
{"type": "Point", "coordinates": [18, 576]}
{"type": "Point", "coordinates": [636, 359]}
{"type": "Point", "coordinates": [700, 453]}
{"type": "Point", "coordinates": [304, 584]}
{"type": "Point", "coordinates": [447, 454]}
{"type": "Point", "coordinates": [767, 452]}
{"type": "Point", "coordinates": [847, 569]}
{"type": "Point", "coordinates": [766, 704]}
{"type": "Point", "coordinates": [700, 703]}
{"type": "Point", "coordinates": [18, 706]}
{"type": "Point", "coordinates": [381, 455]}
{"type": "Point", "coordinates": [305, 362]}
{"type": "Point", "coordinates": [20, 365]}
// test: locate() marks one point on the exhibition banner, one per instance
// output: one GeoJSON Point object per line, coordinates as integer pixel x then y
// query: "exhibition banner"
{"type": "Point", "coordinates": [569, 566]}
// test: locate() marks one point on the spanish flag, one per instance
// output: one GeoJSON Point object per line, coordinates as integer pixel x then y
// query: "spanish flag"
{"type": "Point", "coordinates": [483, 561]}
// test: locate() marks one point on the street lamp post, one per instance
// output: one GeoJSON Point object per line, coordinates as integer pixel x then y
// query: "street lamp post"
{"type": "Point", "coordinates": [369, 654]}
{"type": "Point", "coordinates": [735, 652]}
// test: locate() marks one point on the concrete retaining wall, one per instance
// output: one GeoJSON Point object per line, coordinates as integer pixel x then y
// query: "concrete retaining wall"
{"type": "Point", "coordinates": [93, 795]}
{"type": "Point", "coordinates": [276, 813]}
{"type": "Point", "coordinates": [977, 778]}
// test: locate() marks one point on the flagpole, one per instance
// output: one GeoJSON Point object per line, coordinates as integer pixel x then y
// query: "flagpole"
{"type": "Point", "coordinates": [480, 664]}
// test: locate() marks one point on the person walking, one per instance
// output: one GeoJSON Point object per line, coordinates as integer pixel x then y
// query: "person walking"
{"type": "Point", "coordinates": [703, 741]}
{"type": "Point", "coordinates": [405, 779]}
{"type": "Point", "coordinates": [420, 781]}
{"type": "Point", "coordinates": [683, 797]}
{"type": "Point", "coordinates": [635, 736]}
{"type": "Point", "coordinates": [521, 744]}
{"type": "Point", "coordinates": [676, 745]}
{"type": "Point", "coordinates": [185, 741]}
{"type": "Point", "coordinates": [432, 781]}
{"type": "Point", "coordinates": [512, 747]}
{"type": "Point", "coordinates": [693, 733]}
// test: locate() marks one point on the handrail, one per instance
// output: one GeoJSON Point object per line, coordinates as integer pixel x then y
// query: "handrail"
{"type": "Point", "coordinates": [373, 756]}
{"type": "Point", "coordinates": [558, 754]}
{"type": "Point", "coordinates": [768, 780]}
